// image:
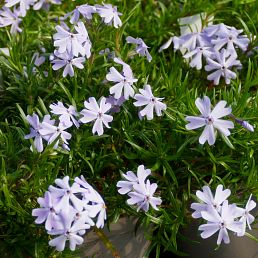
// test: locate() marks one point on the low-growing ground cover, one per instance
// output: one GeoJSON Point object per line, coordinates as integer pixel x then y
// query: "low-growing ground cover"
{"type": "Point", "coordinates": [95, 93]}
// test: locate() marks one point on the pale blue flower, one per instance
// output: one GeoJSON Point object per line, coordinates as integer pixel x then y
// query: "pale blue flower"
{"type": "Point", "coordinates": [109, 14]}
{"type": "Point", "coordinates": [197, 55]}
{"type": "Point", "coordinates": [23, 4]}
{"type": "Point", "coordinates": [141, 47]}
{"type": "Point", "coordinates": [53, 132]}
{"type": "Point", "coordinates": [47, 213]}
{"type": "Point", "coordinates": [85, 10]}
{"type": "Point", "coordinates": [66, 115]}
{"type": "Point", "coordinates": [74, 43]}
{"type": "Point", "coordinates": [208, 200]}
{"type": "Point", "coordinates": [230, 38]}
{"type": "Point", "coordinates": [124, 80]}
{"type": "Point", "coordinates": [35, 130]}
{"type": "Point", "coordinates": [143, 197]}
{"type": "Point", "coordinates": [246, 218]}
{"type": "Point", "coordinates": [66, 194]}
{"type": "Point", "coordinates": [70, 231]}
{"type": "Point", "coordinates": [131, 179]}
{"type": "Point", "coordinates": [223, 221]}
{"type": "Point", "coordinates": [9, 18]}
{"type": "Point", "coordinates": [146, 98]}
{"type": "Point", "coordinates": [96, 112]}
{"type": "Point", "coordinates": [224, 61]}
{"type": "Point", "coordinates": [67, 61]}
{"type": "Point", "coordinates": [210, 120]}
{"type": "Point", "coordinates": [95, 205]}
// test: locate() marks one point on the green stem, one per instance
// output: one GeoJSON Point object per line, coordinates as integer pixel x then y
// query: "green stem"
{"type": "Point", "coordinates": [251, 237]}
{"type": "Point", "coordinates": [107, 242]}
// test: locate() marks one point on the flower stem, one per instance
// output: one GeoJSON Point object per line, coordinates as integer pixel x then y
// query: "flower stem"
{"type": "Point", "coordinates": [107, 242]}
{"type": "Point", "coordinates": [251, 237]}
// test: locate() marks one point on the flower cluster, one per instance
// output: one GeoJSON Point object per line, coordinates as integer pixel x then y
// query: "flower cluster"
{"type": "Point", "coordinates": [52, 130]}
{"type": "Point", "coordinates": [97, 112]}
{"type": "Point", "coordinates": [139, 189]}
{"type": "Point", "coordinates": [220, 215]}
{"type": "Point", "coordinates": [48, 130]}
{"type": "Point", "coordinates": [9, 17]}
{"type": "Point", "coordinates": [68, 211]}
{"type": "Point", "coordinates": [70, 45]}
{"type": "Point", "coordinates": [75, 46]}
{"type": "Point", "coordinates": [218, 45]}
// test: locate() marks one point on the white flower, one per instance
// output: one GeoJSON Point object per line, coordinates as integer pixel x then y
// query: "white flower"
{"type": "Point", "coordinates": [66, 194]}
{"type": "Point", "coordinates": [45, 4]}
{"type": "Point", "coordinates": [147, 99]}
{"type": "Point", "coordinates": [131, 179]}
{"type": "Point", "coordinates": [67, 115]}
{"type": "Point", "coordinates": [124, 80]}
{"type": "Point", "coordinates": [197, 55]}
{"type": "Point", "coordinates": [142, 196]}
{"type": "Point", "coordinates": [95, 111]}
{"type": "Point", "coordinates": [75, 44]}
{"type": "Point", "coordinates": [220, 222]}
{"type": "Point", "coordinates": [208, 200]}
{"type": "Point", "coordinates": [142, 48]}
{"type": "Point", "coordinates": [70, 231]}
{"type": "Point", "coordinates": [37, 59]}
{"type": "Point", "coordinates": [53, 132]}
{"type": "Point", "coordinates": [224, 62]}
{"type": "Point", "coordinates": [230, 37]}
{"type": "Point", "coordinates": [97, 208]}
{"type": "Point", "coordinates": [166, 45]}
{"type": "Point", "coordinates": [24, 5]}
{"type": "Point", "coordinates": [85, 10]}
{"type": "Point", "coordinates": [109, 14]}
{"type": "Point", "coordinates": [35, 130]}
{"type": "Point", "coordinates": [246, 217]}
{"type": "Point", "coordinates": [68, 61]}
{"type": "Point", "coordinates": [210, 119]}
{"type": "Point", "coordinates": [47, 212]}
{"type": "Point", "coordinates": [7, 18]}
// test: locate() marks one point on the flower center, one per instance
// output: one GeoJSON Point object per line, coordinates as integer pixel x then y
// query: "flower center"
{"type": "Point", "coordinates": [152, 100]}
{"type": "Point", "coordinates": [100, 114]}
{"type": "Point", "coordinates": [209, 120]}
{"type": "Point", "coordinates": [222, 224]}
{"type": "Point", "coordinates": [147, 197]}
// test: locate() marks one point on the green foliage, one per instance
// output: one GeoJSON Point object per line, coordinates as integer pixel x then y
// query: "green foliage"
{"type": "Point", "coordinates": [179, 164]}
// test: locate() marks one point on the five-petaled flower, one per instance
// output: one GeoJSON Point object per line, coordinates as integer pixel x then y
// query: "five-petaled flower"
{"type": "Point", "coordinates": [224, 62]}
{"type": "Point", "coordinates": [67, 61]}
{"type": "Point", "coordinates": [66, 115]}
{"type": "Point", "coordinates": [210, 119]}
{"type": "Point", "coordinates": [124, 80]}
{"type": "Point", "coordinates": [146, 98]}
{"type": "Point", "coordinates": [221, 222]}
{"type": "Point", "coordinates": [97, 112]}
{"type": "Point", "coordinates": [109, 14]}
{"type": "Point", "coordinates": [207, 200]}
{"type": "Point", "coordinates": [141, 47]}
